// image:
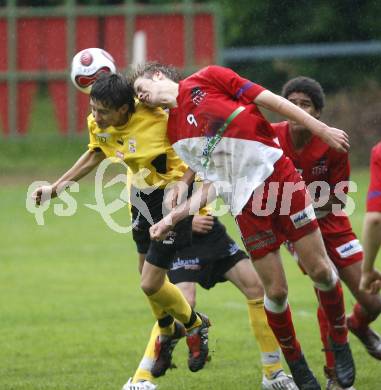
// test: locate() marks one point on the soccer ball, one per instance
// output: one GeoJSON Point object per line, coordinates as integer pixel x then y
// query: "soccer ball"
{"type": "Point", "coordinates": [87, 65]}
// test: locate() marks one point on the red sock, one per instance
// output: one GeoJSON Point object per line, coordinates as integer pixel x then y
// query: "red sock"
{"type": "Point", "coordinates": [283, 329]}
{"type": "Point", "coordinates": [324, 333]}
{"type": "Point", "coordinates": [360, 319]}
{"type": "Point", "coordinates": [332, 302]}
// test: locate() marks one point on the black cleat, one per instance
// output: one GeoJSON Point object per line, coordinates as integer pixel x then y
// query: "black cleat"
{"type": "Point", "coordinates": [197, 340]}
{"type": "Point", "coordinates": [369, 338]}
{"type": "Point", "coordinates": [164, 347]}
{"type": "Point", "coordinates": [303, 376]}
{"type": "Point", "coordinates": [344, 364]}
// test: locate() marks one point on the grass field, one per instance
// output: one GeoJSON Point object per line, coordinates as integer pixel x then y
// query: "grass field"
{"type": "Point", "coordinates": [73, 316]}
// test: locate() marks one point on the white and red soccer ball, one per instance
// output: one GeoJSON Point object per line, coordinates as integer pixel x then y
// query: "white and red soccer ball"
{"type": "Point", "coordinates": [88, 64]}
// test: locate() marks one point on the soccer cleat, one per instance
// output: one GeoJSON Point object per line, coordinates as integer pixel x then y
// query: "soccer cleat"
{"type": "Point", "coordinates": [332, 382]}
{"type": "Point", "coordinates": [303, 376]}
{"type": "Point", "coordinates": [333, 385]}
{"type": "Point", "coordinates": [369, 338]}
{"type": "Point", "coordinates": [164, 347]}
{"type": "Point", "coordinates": [197, 340]}
{"type": "Point", "coordinates": [344, 364]}
{"type": "Point", "coordinates": [143, 385]}
{"type": "Point", "coordinates": [280, 381]}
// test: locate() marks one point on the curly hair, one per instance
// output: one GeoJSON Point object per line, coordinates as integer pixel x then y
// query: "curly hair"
{"type": "Point", "coordinates": [308, 86]}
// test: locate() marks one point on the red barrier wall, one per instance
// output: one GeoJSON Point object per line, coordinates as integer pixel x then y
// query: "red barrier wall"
{"type": "Point", "coordinates": [42, 44]}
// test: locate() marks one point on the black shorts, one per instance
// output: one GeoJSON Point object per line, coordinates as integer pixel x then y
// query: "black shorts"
{"type": "Point", "coordinates": [208, 259]}
{"type": "Point", "coordinates": [147, 210]}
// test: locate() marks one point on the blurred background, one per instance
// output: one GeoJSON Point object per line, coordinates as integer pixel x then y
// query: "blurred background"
{"type": "Point", "coordinates": [42, 117]}
{"type": "Point", "coordinates": [72, 314]}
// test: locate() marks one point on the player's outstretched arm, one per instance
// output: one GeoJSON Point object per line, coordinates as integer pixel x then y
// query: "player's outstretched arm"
{"type": "Point", "coordinates": [83, 166]}
{"type": "Point", "coordinates": [371, 237]}
{"type": "Point", "coordinates": [336, 138]}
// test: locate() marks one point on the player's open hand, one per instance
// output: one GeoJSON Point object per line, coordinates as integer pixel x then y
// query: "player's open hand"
{"type": "Point", "coordinates": [160, 230]}
{"type": "Point", "coordinates": [42, 194]}
{"type": "Point", "coordinates": [370, 281]}
{"type": "Point", "coordinates": [202, 224]}
{"type": "Point", "coordinates": [336, 138]}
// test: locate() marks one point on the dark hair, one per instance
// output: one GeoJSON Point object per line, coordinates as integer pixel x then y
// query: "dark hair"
{"type": "Point", "coordinates": [113, 91]}
{"type": "Point", "coordinates": [306, 85]}
{"type": "Point", "coordinates": [149, 68]}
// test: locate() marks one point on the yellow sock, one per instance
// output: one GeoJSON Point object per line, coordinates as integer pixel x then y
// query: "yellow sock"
{"type": "Point", "coordinates": [170, 299]}
{"type": "Point", "coordinates": [270, 351]}
{"type": "Point", "coordinates": [157, 309]}
{"type": "Point", "coordinates": [143, 372]}
{"type": "Point", "coordinates": [159, 313]}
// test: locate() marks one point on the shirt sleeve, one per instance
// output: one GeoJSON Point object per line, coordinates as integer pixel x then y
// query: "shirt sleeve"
{"type": "Point", "coordinates": [373, 202]}
{"type": "Point", "coordinates": [237, 87]}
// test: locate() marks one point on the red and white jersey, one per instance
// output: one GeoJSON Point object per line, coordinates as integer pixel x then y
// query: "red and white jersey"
{"type": "Point", "coordinates": [221, 134]}
{"type": "Point", "coordinates": [374, 192]}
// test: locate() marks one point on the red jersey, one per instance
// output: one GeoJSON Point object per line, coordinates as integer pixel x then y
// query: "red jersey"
{"type": "Point", "coordinates": [319, 162]}
{"type": "Point", "coordinates": [374, 192]}
{"type": "Point", "coordinates": [221, 134]}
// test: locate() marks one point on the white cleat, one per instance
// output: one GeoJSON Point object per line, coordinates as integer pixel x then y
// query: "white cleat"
{"type": "Point", "coordinates": [143, 385]}
{"type": "Point", "coordinates": [281, 381]}
{"type": "Point", "coordinates": [333, 385]}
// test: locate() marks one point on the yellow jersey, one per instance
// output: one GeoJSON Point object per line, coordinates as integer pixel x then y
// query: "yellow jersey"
{"type": "Point", "coordinates": [142, 143]}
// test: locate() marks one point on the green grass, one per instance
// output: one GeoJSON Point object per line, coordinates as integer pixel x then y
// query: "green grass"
{"type": "Point", "coordinates": [72, 315]}
{"type": "Point", "coordinates": [43, 149]}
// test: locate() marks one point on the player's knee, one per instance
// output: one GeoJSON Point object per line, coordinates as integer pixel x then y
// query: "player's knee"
{"type": "Point", "coordinates": [322, 272]}
{"type": "Point", "coordinates": [277, 294]}
{"type": "Point", "coordinates": [148, 287]}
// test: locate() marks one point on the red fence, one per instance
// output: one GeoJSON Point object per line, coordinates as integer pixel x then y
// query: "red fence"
{"type": "Point", "coordinates": [42, 48]}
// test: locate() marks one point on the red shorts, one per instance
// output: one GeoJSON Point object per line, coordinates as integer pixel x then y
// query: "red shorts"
{"type": "Point", "coordinates": [279, 210]}
{"type": "Point", "coordinates": [341, 243]}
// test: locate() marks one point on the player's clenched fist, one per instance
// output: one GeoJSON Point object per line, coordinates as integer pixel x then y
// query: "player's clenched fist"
{"type": "Point", "coordinates": [160, 230]}
{"type": "Point", "coordinates": [42, 194]}
{"type": "Point", "coordinates": [336, 138]}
